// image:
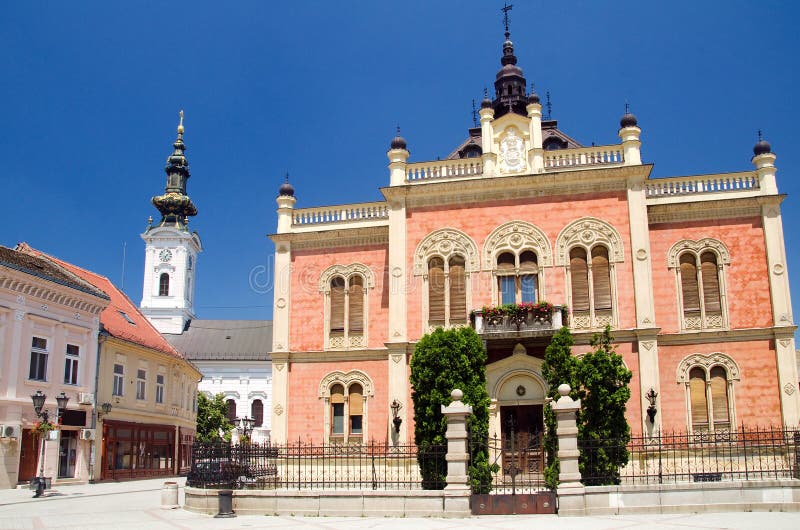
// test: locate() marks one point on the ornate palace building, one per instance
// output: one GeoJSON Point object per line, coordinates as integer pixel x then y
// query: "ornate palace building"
{"type": "Point", "coordinates": [690, 273]}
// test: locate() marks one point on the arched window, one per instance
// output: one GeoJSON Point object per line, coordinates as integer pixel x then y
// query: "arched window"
{"type": "Point", "coordinates": [699, 266]}
{"type": "Point", "coordinates": [590, 248]}
{"type": "Point", "coordinates": [517, 277]}
{"type": "Point", "coordinates": [447, 291]}
{"type": "Point", "coordinates": [700, 292]}
{"type": "Point", "coordinates": [709, 399]}
{"type": "Point", "coordinates": [347, 301]}
{"type": "Point", "coordinates": [709, 390]}
{"type": "Point", "coordinates": [355, 398]}
{"type": "Point", "coordinates": [231, 403]}
{"type": "Point", "coordinates": [591, 287]}
{"type": "Point", "coordinates": [257, 412]}
{"type": "Point", "coordinates": [345, 396]}
{"type": "Point", "coordinates": [355, 305]}
{"type": "Point", "coordinates": [346, 289]}
{"type": "Point", "coordinates": [337, 410]}
{"type": "Point", "coordinates": [445, 258]}
{"type": "Point", "coordinates": [337, 306]}
{"type": "Point", "coordinates": [163, 284]}
{"type": "Point", "coordinates": [436, 290]}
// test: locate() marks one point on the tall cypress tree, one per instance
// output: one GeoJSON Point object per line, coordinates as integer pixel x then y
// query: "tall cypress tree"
{"type": "Point", "coordinates": [444, 360]}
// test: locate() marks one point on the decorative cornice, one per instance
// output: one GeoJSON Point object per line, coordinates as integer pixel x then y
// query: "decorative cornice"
{"type": "Point", "coordinates": [336, 356]}
{"type": "Point", "coordinates": [514, 187]}
{"type": "Point", "coordinates": [732, 335]}
{"type": "Point", "coordinates": [704, 211]}
{"type": "Point", "coordinates": [43, 293]}
{"type": "Point", "coordinates": [351, 237]}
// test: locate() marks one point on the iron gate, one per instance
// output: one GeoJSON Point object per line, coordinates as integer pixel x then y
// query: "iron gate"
{"type": "Point", "coordinates": [516, 483]}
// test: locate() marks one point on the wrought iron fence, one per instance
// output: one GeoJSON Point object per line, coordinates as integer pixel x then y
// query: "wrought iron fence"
{"type": "Point", "coordinates": [744, 453]}
{"type": "Point", "coordinates": [301, 465]}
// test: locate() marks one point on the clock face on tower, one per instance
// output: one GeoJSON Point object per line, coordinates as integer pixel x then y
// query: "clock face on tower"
{"type": "Point", "coordinates": [165, 255]}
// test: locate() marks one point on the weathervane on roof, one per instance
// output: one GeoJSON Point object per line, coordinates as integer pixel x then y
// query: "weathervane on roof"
{"type": "Point", "coordinates": [474, 114]}
{"type": "Point", "coordinates": [505, 9]}
{"type": "Point", "coordinates": [548, 106]}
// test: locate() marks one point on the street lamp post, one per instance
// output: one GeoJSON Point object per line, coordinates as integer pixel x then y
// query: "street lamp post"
{"type": "Point", "coordinates": [44, 415]}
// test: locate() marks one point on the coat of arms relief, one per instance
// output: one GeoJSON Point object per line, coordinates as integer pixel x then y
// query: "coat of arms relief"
{"type": "Point", "coordinates": [512, 152]}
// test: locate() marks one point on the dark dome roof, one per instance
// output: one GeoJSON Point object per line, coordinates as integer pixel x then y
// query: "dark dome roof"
{"type": "Point", "coordinates": [286, 190]}
{"type": "Point", "coordinates": [533, 98]}
{"type": "Point", "coordinates": [762, 147]}
{"type": "Point", "coordinates": [398, 142]}
{"type": "Point", "coordinates": [628, 120]}
{"type": "Point", "coordinates": [509, 70]}
{"type": "Point", "coordinates": [486, 103]}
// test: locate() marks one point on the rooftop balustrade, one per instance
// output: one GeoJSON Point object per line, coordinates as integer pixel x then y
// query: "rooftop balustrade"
{"type": "Point", "coordinates": [692, 185]}
{"type": "Point", "coordinates": [344, 213]}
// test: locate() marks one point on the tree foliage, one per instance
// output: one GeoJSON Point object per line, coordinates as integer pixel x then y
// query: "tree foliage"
{"type": "Point", "coordinates": [442, 361]}
{"type": "Point", "coordinates": [600, 380]}
{"type": "Point", "coordinates": [212, 416]}
{"type": "Point", "coordinates": [559, 367]}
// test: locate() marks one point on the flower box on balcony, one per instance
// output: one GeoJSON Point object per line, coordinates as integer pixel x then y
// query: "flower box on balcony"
{"type": "Point", "coordinates": [518, 318]}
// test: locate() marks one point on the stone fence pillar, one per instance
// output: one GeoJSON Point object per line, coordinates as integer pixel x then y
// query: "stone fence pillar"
{"type": "Point", "coordinates": [570, 491]}
{"type": "Point", "coordinates": [458, 490]}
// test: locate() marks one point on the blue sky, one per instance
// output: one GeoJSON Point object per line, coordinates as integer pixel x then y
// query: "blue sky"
{"type": "Point", "coordinates": [90, 94]}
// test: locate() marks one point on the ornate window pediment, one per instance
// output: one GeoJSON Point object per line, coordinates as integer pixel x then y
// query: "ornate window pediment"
{"type": "Point", "coordinates": [707, 362]}
{"type": "Point", "coordinates": [345, 379]}
{"type": "Point", "coordinates": [515, 236]}
{"type": "Point", "coordinates": [346, 271]}
{"type": "Point", "coordinates": [588, 232]}
{"type": "Point", "coordinates": [445, 243]}
{"type": "Point", "coordinates": [697, 247]}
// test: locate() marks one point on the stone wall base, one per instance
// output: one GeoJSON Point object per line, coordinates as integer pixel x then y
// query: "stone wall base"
{"type": "Point", "coordinates": [750, 496]}
{"type": "Point", "coordinates": [356, 503]}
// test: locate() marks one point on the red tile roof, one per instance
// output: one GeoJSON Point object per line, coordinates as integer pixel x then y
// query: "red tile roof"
{"type": "Point", "coordinates": [141, 331]}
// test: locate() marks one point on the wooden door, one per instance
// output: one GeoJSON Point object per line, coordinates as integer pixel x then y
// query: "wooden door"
{"type": "Point", "coordinates": [28, 456]}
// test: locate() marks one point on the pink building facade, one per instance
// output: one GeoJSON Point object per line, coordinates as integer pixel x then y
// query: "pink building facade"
{"type": "Point", "coordinates": [690, 273]}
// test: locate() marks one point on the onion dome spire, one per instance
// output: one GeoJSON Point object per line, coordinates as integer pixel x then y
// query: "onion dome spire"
{"type": "Point", "coordinates": [509, 82]}
{"type": "Point", "coordinates": [398, 142]}
{"type": "Point", "coordinates": [286, 189]}
{"type": "Point", "coordinates": [628, 119]}
{"type": "Point", "coordinates": [762, 146]}
{"type": "Point", "coordinates": [486, 103]}
{"type": "Point", "coordinates": [533, 97]}
{"type": "Point", "coordinates": [175, 206]}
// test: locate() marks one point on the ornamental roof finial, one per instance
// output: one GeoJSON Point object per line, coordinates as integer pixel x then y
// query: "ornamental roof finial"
{"type": "Point", "coordinates": [180, 125]}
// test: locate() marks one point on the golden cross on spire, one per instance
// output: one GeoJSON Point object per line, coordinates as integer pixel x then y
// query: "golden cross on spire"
{"type": "Point", "coordinates": [180, 125]}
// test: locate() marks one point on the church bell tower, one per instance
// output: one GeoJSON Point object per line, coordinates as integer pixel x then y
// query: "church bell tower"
{"type": "Point", "coordinates": [171, 249]}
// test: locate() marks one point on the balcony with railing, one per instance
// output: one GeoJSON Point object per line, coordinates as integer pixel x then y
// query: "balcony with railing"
{"type": "Point", "coordinates": [515, 319]}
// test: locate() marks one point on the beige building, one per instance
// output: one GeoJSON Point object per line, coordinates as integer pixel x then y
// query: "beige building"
{"type": "Point", "coordinates": [146, 393]}
{"type": "Point", "coordinates": [49, 323]}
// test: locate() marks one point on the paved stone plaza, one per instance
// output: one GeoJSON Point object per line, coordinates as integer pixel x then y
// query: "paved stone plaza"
{"type": "Point", "coordinates": [136, 505]}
